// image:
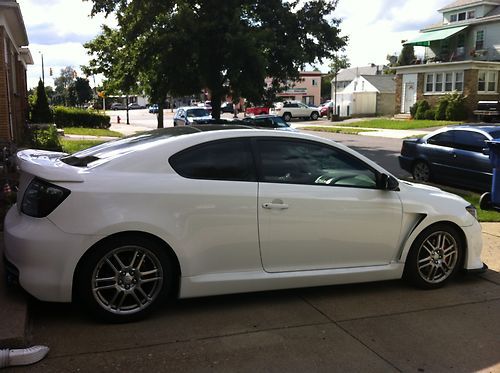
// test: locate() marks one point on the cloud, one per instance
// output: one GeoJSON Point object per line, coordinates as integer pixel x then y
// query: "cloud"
{"type": "Point", "coordinates": [48, 34]}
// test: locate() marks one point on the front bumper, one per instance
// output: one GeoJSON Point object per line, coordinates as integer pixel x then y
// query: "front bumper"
{"type": "Point", "coordinates": [41, 257]}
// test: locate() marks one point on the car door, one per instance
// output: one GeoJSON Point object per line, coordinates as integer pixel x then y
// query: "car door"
{"type": "Point", "coordinates": [319, 208]}
{"type": "Point", "coordinates": [438, 152]}
{"type": "Point", "coordinates": [472, 166]}
{"type": "Point", "coordinates": [216, 207]}
{"type": "Point", "coordinates": [304, 110]}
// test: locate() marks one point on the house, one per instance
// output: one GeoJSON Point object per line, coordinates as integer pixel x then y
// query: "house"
{"type": "Point", "coordinates": [367, 95]}
{"type": "Point", "coordinates": [307, 89]}
{"type": "Point", "coordinates": [462, 54]}
{"type": "Point", "coordinates": [347, 75]}
{"type": "Point", "coordinates": [14, 58]}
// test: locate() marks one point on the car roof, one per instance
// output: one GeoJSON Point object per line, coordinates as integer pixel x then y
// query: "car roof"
{"type": "Point", "coordinates": [486, 127]}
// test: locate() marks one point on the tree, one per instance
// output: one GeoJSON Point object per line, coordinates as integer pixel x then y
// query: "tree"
{"type": "Point", "coordinates": [62, 95]}
{"type": "Point", "coordinates": [41, 112]}
{"type": "Point", "coordinates": [227, 46]}
{"type": "Point", "coordinates": [83, 91]}
{"type": "Point", "coordinates": [407, 55]}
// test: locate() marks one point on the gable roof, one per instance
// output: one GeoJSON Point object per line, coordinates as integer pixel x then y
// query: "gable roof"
{"type": "Point", "coordinates": [383, 83]}
{"type": "Point", "coordinates": [347, 75]}
{"type": "Point", "coordinates": [463, 3]}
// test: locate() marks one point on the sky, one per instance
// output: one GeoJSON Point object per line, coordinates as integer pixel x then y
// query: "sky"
{"type": "Point", "coordinates": [57, 30]}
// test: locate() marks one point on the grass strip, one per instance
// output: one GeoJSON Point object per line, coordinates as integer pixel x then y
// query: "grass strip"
{"type": "Point", "coordinates": [91, 132]}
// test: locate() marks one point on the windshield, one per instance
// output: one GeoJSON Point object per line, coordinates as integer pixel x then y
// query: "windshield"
{"type": "Point", "coordinates": [195, 113]}
{"type": "Point", "coordinates": [113, 149]}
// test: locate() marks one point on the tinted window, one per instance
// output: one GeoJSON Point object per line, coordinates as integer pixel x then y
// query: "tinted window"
{"type": "Point", "coordinates": [300, 162]}
{"type": "Point", "coordinates": [442, 139]}
{"type": "Point", "coordinates": [469, 140]}
{"type": "Point", "coordinates": [220, 160]}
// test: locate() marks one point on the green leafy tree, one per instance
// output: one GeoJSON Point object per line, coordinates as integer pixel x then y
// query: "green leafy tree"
{"type": "Point", "coordinates": [338, 63]}
{"type": "Point", "coordinates": [62, 94]}
{"type": "Point", "coordinates": [41, 112]}
{"type": "Point", "coordinates": [407, 56]}
{"type": "Point", "coordinates": [83, 91]}
{"type": "Point", "coordinates": [179, 47]}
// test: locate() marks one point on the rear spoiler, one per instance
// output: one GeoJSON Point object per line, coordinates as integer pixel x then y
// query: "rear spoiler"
{"type": "Point", "coordinates": [47, 165]}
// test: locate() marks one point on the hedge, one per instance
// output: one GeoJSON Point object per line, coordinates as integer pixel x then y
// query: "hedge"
{"type": "Point", "coordinates": [72, 117]}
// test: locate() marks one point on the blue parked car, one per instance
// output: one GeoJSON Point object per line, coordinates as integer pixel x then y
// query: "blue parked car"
{"type": "Point", "coordinates": [456, 155]}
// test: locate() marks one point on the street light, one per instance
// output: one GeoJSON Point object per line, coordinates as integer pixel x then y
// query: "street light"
{"type": "Point", "coordinates": [43, 74]}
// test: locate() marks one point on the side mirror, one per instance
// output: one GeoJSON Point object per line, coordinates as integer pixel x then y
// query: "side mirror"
{"type": "Point", "coordinates": [386, 182]}
{"type": "Point", "coordinates": [486, 151]}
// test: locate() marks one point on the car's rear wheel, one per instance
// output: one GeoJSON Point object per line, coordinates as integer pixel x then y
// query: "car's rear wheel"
{"type": "Point", "coordinates": [287, 117]}
{"type": "Point", "coordinates": [314, 115]}
{"type": "Point", "coordinates": [123, 279]}
{"type": "Point", "coordinates": [421, 171]}
{"type": "Point", "coordinates": [434, 257]}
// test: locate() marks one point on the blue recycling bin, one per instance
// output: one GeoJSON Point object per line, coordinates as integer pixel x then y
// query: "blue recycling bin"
{"type": "Point", "coordinates": [494, 146]}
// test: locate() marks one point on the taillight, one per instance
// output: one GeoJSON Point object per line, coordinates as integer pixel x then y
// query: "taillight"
{"type": "Point", "coordinates": [42, 197]}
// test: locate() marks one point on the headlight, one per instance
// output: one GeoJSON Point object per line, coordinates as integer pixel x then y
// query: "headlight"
{"type": "Point", "coordinates": [472, 210]}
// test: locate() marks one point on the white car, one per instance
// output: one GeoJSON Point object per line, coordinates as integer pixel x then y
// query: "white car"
{"type": "Point", "coordinates": [195, 211]}
{"type": "Point", "coordinates": [294, 109]}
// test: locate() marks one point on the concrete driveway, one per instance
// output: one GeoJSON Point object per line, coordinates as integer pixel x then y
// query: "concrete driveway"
{"type": "Point", "coordinates": [378, 327]}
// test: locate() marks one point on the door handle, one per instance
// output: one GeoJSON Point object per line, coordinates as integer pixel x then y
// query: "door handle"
{"type": "Point", "coordinates": [275, 206]}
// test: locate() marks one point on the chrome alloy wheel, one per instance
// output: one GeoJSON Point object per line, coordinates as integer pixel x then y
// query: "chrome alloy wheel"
{"type": "Point", "coordinates": [127, 280]}
{"type": "Point", "coordinates": [437, 257]}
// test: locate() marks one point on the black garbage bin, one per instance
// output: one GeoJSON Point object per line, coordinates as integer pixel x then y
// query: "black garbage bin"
{"type": "Point", "coordinates": [491, 201]}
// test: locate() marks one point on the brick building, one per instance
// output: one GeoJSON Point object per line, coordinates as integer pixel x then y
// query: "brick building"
{"type": "Point", "coordinates": [14, 58]}
{"type": "Point", "coordinates": [462, 54]}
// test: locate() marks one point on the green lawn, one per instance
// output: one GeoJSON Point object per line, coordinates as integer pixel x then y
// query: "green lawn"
{"type": "Point", "coordinates": [396, 124]}
{"type": "Point", "coordinates": [73, 146]}
{"type": "Point", "coordinates": [347, 131]}
{"type": "Point", "coordinates": [484, 216]}
{"type": "Point", "coordinates": [91, 132]}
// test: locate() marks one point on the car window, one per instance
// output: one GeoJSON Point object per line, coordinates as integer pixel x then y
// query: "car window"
{"type": "Point", "coordinates": [193, 113]}
{"type": "Point", "coordinates": [469, 140]}
{"type": "Point", "coordinates": [442, 139]}
{"type": "Point", "coordinates": [219, 160]}
{"type": "Point", "coordinates": [302, 162]}
{"type": "Point", "coordinates": [495, 134]}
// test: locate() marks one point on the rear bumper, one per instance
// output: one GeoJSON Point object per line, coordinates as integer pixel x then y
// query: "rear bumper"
{"type": "Point", "coordinates": [405, 163]}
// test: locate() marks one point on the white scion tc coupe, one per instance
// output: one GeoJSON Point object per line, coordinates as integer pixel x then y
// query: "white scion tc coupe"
{"type": "Point", "coordinates": [205, 210]}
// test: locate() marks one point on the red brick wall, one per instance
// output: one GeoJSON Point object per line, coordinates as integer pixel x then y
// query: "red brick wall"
{"type": "Point", "coordinates": [4, 101]}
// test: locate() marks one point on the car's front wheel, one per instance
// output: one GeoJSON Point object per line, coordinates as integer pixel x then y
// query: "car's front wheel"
{"type": "Point", "coordinates": [421, 171]}
{"type": "Point", "coordinates": [434, 257]}
{"type": "Point", "coordinates": [287, 117]}
{"type": "Point", "coordinates": [123, 279]}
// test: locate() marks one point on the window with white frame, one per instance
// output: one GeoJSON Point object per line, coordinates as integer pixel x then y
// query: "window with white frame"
{"type": "Point", "coordinates": [453, 18]}
{"type": "Point", "coordinates": [471, 14]}
{"type": "Point", "coordinates": [487, 81]}
{"type": "Point", "coordinates": [479, 40]}
{"type": "Point", "coordinates": [444, 82]}
{"type": "Point", "coordinates": [461, 16]}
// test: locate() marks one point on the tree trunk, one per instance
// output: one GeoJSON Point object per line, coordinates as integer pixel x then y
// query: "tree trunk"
{"type": "Point", "coordinates": [216, 103]}
{"type": "Point", "coordinates": [159, 115]}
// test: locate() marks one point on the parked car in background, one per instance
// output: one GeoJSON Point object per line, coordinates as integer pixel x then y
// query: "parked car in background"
{"type": "Point", "coordinates": [193, 211]}
{"type": "Point", "coordinates": [135, 106]}
{"type": "Point", "coordinates": [456, 155]}
{"type": "Point", "coordinates": [268, 121]}
{"type": "Point", "coordinates": [207, 105]}
{"type": "Point", "coordinates": [257, 110]}
{"type": "Point", "coordinates": [325, 107]}
{"type": "Point", "coordinates": [187, 115]}
{"type": "Point", "coordinates": [118, 106]}
{"type": "Point", "coordinates": [294, 109]}
{"type": "Point", "coordinates": [153, 109]}
{"type": "Point", "coordinates": [227, 107]}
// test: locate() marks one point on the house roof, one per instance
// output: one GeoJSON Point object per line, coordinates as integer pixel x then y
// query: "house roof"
{"type": "Point", "coordinates": [15, 21]}
{"type": "Point", "coordinates": [464, 3]}
{"type": "Point", "coordinates": [384, 83]}
{"type": "Point", "coordinates": [347, 75]}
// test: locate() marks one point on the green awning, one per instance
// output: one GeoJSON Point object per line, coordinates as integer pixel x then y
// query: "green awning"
{"type": "Point", "coordinates": [425, 38]}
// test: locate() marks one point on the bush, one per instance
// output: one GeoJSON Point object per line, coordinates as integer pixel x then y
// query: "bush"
{"type": "Point", "coordinates": [45, 138]}
{"type": "Point", "coordinates": [441, 109]}
{"type": "Point", "coordinates": [413, 109]}
{"type": "Point", "coordinates": [422, 107]}
{"type": "Point", "coordinates": [72, 117]}
{"type": "Point", "coordinates": [456, 110]}
{"type": "Point", "coordinates": [430, 114]}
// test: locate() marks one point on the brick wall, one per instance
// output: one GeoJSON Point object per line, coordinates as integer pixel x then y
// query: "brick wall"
{"type": "Point", "coordinates": [4, 100]}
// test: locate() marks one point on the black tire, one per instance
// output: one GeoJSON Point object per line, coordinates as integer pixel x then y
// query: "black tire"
{"type": "Point", "coordinates": [287, 117]}
{"type": "Point", "coordinates": [421, 171]}
{"type": "Point", "coordinates": [124, 278]}
{"type": "Point", "coordinates": [434, 257]}
{"type": "Point", "coordinates": [314, 115]}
